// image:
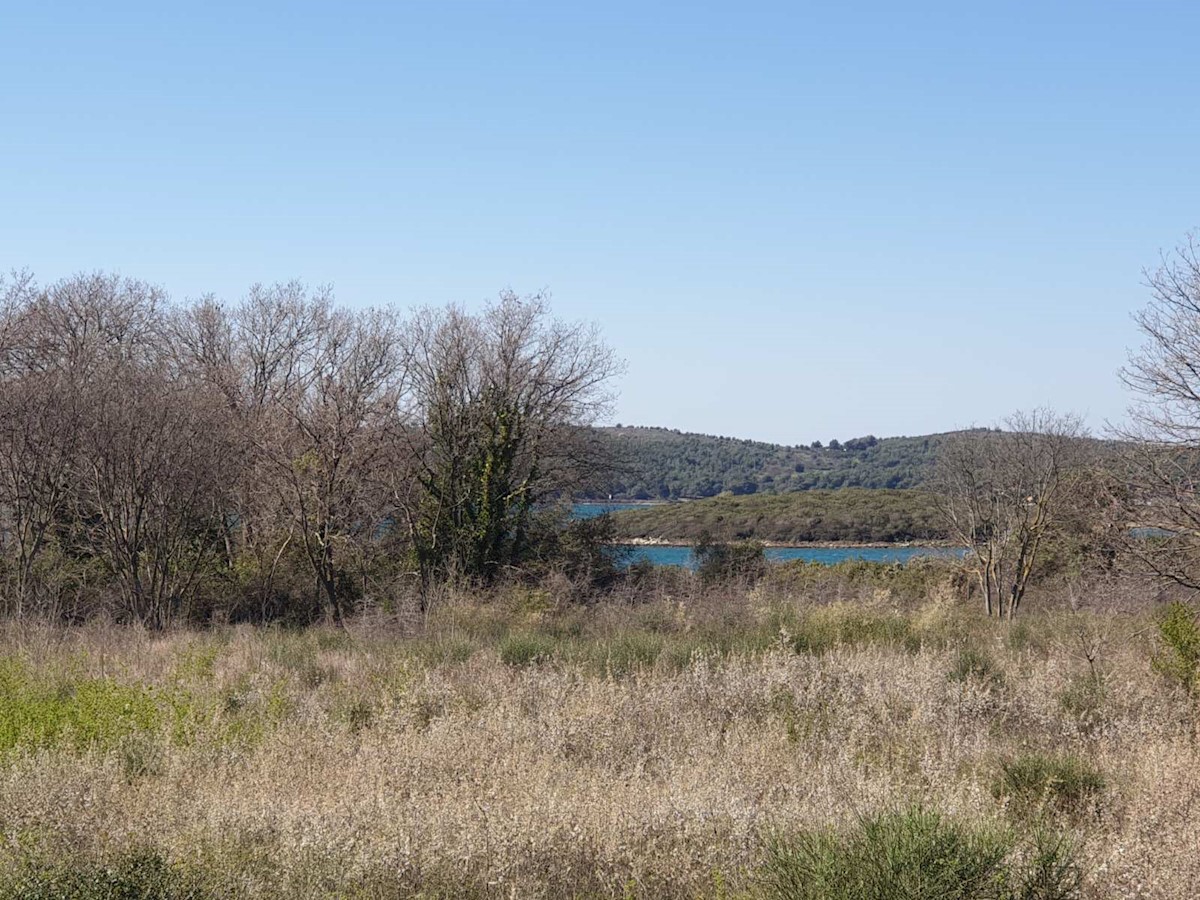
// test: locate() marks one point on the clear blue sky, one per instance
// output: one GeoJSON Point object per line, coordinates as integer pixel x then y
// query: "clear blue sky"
{"type": "Point", "coordinates": [794, 221]}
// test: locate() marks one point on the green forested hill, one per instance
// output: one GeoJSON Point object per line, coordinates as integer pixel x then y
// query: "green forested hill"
{"type": "Point", "coordinates": [854, 515]}
{"type": "Point", "coordinates": [658, 463]}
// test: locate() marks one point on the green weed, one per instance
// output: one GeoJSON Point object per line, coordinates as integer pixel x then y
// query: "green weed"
{"type": "Point", "coordinates": [916, 855]}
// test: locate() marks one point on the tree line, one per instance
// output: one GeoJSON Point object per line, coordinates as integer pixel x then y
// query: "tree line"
{"type": "Point", "coordinates": [280, 456]}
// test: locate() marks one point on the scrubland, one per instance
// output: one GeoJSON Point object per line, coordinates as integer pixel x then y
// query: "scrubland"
{"type": "Point", "coordinates": [855, 732]}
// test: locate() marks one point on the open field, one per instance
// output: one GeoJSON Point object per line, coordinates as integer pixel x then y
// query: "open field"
{"type": "Point", "coordinates": [684, 745]}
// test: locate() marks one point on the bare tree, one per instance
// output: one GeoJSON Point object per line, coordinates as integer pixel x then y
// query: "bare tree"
{"type": "Point", "coordinates": [105, 449]}
{"type": "Point", "coordinates": [336, 425]}
{"type": "Point", "coordinates": [1002, 494]}
{"type": "Point", "coordinates": [499, 399]}
{"type": "Point", "coordinates": [312, 389]}
{"type": "Point", "coordinates": [1160, 481]}
{"type": "Point", "coordinates": [38, 439]}
{"type": "Point", "coordinates": [39, 442]}
{"type": "Point", "coordinates": [57, 347]}
{"type": "Point", "coordinates": [149, 489]}
{"type": "Point", "coordinates": [253, 355]}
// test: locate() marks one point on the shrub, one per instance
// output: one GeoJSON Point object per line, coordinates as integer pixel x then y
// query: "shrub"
{"type": "Point", "coordinates": [718, 561]}
{"type": "Point", "coordinates": [1050, 870]}
{"type": "Point", "coordinates": [1035, 780]}
{"type": "Point", "coordinates": [525, 649]}
{"type": "Point", "coordinates": [359, 716]}
{"type": "Point", "coordinates": [1180, 632]}
{"type": "Point", "coordinates": [141, 756]}
{"type": "Point", "coordinates": [920, 855]}
{"type": "Point", "coordinates": [975, 665]}
{"type": "Point", "coordinates": [587, 553]}
{"type": "Point", "coordinates": [442, 650]}
{"type": "Point", "coordinates": [632, 651]}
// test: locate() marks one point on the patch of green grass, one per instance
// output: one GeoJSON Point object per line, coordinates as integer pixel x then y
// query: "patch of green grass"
{"type": "Point", "coordinates": [135, 876]}
{"type": "Point", "coordinates": [1034, 781]}
{"type": "Point", "coordinates": [844, 626]}
{"type": "Point", "coordinates": [240, 716]}
{"type": "Point", "coordinates": [1019, 636]}
{"type": "Point", "coordinates": [442, 650]}
{"type": "Point", "coordinates": [197, 663]}
{"type": "Point", "coordinates": [526, 648]}
{"type": "Point", "coordinates": [916, 854]}
{"type": "Point", "coordinates": [297, 652]}
{"type": "Point", "coordinates": [81, 714]}
{"type": "Point", "coordinates": [631, 651]}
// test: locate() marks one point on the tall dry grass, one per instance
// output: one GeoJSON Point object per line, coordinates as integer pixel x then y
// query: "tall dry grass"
{"type": "Point", "coordinates": [517, 746]}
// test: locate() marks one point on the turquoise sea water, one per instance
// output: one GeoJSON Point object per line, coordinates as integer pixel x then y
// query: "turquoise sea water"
{"type": "Point", "coordinates": [682, 556]}
{"type": "Point", "coordinates": [591, 509]}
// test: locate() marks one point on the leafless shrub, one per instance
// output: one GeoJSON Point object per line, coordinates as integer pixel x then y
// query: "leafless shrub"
{"type": "Point", "coordinates": [1004, 493]}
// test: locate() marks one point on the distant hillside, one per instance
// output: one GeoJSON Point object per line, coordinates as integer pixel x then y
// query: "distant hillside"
{"type": "Point", "coordinates": [853, 515]}
{"type": "Point", "coordinates": [658, 463]}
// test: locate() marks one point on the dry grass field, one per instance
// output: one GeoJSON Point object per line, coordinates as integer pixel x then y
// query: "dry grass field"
{"type": "Point", "coordinates": [679, 743]}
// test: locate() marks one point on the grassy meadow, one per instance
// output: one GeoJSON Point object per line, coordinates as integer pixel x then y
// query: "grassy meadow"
{"type": "Point", "coordinates": [851, 732]}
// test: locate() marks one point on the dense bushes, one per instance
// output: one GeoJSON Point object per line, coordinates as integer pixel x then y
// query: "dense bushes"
{"type": "Point", "coordinates": [718, 561]}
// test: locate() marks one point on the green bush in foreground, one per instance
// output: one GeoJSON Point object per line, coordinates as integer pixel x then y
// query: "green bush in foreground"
{"type": "Point", "coordinates": [137, 876]}
{"type": "Point", "coordinates": [919, 855]}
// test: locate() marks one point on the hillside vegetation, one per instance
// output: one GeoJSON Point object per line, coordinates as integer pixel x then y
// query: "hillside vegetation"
{"type": "Point", "coordinates": [658, 463]}
{"type": "Point", "coordinates": [853, 514]}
